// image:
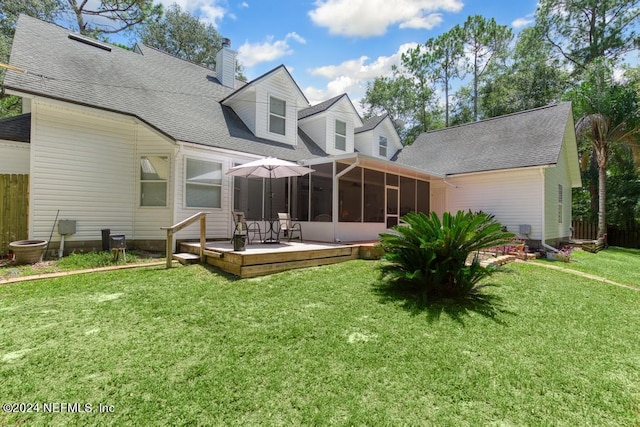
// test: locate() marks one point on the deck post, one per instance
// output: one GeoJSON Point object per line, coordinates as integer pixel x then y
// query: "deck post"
{"type": "Point", "coordinates": [203, 236]}
{"type": "Point", "coordinates": [169, 247]}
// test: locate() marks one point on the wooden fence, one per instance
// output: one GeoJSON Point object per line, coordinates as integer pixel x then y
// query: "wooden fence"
{"type": "Point", "coordinates": [14, 210]}
{"type": "Point", "coordinates": [615, 237]}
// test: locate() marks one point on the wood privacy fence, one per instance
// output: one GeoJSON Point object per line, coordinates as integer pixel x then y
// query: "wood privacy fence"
{"type": "Point", "coordinates": [14, 210]}
{"type": "Point", "coordinates": [615, 236]}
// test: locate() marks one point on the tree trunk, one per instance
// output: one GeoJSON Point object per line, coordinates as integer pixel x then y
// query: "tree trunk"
{"type": "Point", "coordinates": [602, 201]}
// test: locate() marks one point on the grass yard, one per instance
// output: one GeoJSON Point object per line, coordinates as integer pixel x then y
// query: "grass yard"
{"type": "Point", "coordinates": [621, 265]}
{"type": "Point", "coordinates": [327, 345]}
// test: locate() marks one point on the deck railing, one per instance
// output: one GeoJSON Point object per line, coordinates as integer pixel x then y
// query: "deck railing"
{"type": "Point", "coordinates": [202, 216]}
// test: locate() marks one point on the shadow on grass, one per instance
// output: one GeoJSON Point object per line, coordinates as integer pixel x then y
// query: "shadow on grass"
{"type": "Point", "coordinates": [458, 309]}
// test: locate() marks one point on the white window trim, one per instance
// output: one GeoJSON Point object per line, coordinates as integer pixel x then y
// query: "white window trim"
{"type": "Point", "coordinates": [386, 146]}
{"type": "Point", "coordinates": [167, 181]}
{"type": "Point", "coordinates": [336, 134]}
{"type": "Point", "coordinates": [185, 182]}
{"type": "Point", "coordinates": [269, 113]}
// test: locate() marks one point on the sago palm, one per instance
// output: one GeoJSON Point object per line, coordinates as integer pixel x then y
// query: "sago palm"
{"type": "Point", "coordinates": [432, 254]}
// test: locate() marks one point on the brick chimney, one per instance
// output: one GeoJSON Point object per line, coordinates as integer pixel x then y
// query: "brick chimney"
{"type": "Point", "coordinates": [226, 64]}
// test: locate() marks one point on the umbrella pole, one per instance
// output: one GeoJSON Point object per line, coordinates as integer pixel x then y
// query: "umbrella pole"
{"type": "Point", "coordinates": [273, 236]}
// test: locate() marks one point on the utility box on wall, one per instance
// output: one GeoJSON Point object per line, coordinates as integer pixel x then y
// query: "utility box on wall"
{"type": "Point", "coordinates": [525, 229]}
{"type": "Point", "coordinates": [67, 226]}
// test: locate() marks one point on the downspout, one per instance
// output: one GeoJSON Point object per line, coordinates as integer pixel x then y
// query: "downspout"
{"type": "Point", "coordinates": [542, 238]}
{"type": "Point", "coordinates": [336, 178]}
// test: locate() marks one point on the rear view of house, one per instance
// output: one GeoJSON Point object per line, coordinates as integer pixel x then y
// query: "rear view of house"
{"type": "Point", "coordinates": [133, 141]}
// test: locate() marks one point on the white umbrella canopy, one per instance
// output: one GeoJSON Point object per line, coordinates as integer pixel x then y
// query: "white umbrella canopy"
{"type": "Point", "coordinates": [269, 167]}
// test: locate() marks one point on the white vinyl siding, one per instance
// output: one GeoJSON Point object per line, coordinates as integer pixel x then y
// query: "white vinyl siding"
{"type": "Point", "coordinates": [14, 158]}
{"type": "Point", "coordinates": [369, 142]}
{"type": "Point", "coordinates": [147, 222]}
{"type": "Point", "coordinates": [558, 211]}
{"type": "Point", "coordinates": [244, 106]}
{"type": "Point", "coordinates": [85, 163]}
{"type": "Point", "coordinates": [316, 128]}
{"type": "Point", "coordinates": [280, 87]}
{"type": "Point", "coordinates": [218, 219]}
{"type": "Point", "coordinates": [514, 197]}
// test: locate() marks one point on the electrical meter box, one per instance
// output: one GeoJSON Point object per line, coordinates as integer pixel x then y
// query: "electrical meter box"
{"type": "Point", "coordinates": [67, 226]}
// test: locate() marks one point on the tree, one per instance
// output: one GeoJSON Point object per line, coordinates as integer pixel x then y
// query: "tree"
{"type": "Point", "coordinates": [447, 53]}
{"type": "Point", "coordinates": [396, 96]}
{"type": "Point", "coordinates": [609, 117]}
{"type": "Point", "coordinates": [585, 30]}
{"type": "Point", "coordinates": [46, 10]}
{"type": "Point", "coordinates": [484, 41]}
{"type": "Point", "coordinates": [183, 35]}
{"type": "Point", "coordinates": [418, 63]}
{"type": "Point", "coordinates": [112, 16]}
{"type": "Point", "coordinates": [462, 106]}
{"type": "Point", "coordinates": [532, 77]}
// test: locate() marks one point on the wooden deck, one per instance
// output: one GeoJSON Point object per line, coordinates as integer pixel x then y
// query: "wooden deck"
{"type": "Point", "coordinates": [262, 259]}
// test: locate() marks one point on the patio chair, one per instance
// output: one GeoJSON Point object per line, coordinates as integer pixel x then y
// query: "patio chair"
{"type": "Point", "coordinates": [240, 226]}
{"type": "Point", "coordinates": [289, 227]}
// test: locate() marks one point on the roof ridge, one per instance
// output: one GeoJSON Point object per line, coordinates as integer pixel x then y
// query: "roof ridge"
{"type": "Point", "coordinates": [557, 104]}
{"type": "Point", "coordinates": [174, 56]}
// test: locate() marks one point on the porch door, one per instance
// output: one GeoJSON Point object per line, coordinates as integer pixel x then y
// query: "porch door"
{"type": "Point", "coordinates": [393, 202]}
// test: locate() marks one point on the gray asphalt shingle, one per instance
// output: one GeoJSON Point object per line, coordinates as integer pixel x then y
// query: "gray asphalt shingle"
{"type": "Point", "coordinates": [525, 139]}
{"type": "Point", "coordinates": [178, 98]}
{"type": "Point", "coordinates": [16, 128]}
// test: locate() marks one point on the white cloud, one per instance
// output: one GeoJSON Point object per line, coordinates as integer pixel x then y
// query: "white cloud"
{"type": "Point", "coordinates": [352, 76]}
{"type": "Point", "coordinates": [208, 11]}
{"type": "Point", "coordinates": [244, 4]}
{"type": "Point", "coordinates": [523, 22]}
{"type": "Point", "coordinates": [366, 18]}
{"type": "Point", "coordinates": [423, 22]}
{"type": "Point", "coordinates": [250, 54]}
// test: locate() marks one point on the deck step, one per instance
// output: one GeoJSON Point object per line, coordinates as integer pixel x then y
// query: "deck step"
{"type": "Point", "coordinates": [186, 258]}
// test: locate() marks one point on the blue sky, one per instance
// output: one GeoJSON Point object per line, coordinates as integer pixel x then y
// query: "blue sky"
{"type": "Point", "coordinates": [336, 46]}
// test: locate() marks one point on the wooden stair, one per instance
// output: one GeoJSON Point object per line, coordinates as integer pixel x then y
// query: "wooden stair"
{"type": "Point", "coordinates": [186, 258]}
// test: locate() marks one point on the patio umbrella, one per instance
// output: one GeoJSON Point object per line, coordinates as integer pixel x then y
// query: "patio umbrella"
{"type": "Point", "coordinates": [269, 167]}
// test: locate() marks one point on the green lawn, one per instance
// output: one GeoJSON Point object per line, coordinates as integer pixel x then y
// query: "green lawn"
{"type": "Point", "coordinates": [319, 346]}
{"type": "Point", "coordinates": [618, 264]}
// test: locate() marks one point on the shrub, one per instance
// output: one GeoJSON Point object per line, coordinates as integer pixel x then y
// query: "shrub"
{"type": "Point", "coordinates": [431, 255]}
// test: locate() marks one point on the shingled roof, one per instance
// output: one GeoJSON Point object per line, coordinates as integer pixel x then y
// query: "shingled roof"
{"type": "Point", "coordinates": [319, 108]}
{"type": "Point", "coordinates": [526, 139]}
{"type": "Point", "coordinates": [371, 123]}
{"type": "Point", "coordinates": [17, 128]}
{"type": "Point", "coordinates": [178, 98]}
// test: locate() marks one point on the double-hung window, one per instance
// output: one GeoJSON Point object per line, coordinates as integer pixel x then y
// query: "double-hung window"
{"type": "Point", "coordinates": [341, 135]}
{"type": "Point", "coordinates": [203, 184]}
{"type": "Point", "coordinates": [277, 115]}
{"type": "Point", "coordinates": [382, 146]}
{"type": "Point", "coordinates": [154, 171]}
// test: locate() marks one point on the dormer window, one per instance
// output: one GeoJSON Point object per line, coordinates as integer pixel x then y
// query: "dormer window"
{"type": "Point", "coordinates": [382, 146]}
{"type": "Point", "coordinates": [341, 135]}
{"type": "Point", "coordinates": [277, 115]}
